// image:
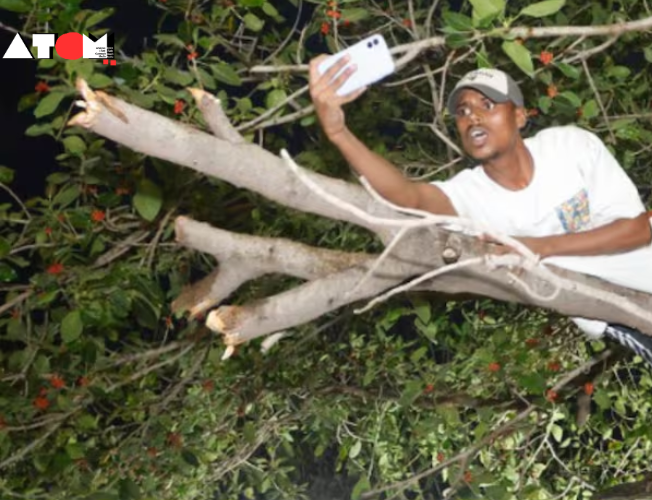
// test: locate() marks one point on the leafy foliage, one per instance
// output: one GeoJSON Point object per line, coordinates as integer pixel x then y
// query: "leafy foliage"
{"type": "Point", "coordinates": [106, 395]}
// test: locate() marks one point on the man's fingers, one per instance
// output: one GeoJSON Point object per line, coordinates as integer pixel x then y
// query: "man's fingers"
{"type": "Point", "coordinates": [326, 81]}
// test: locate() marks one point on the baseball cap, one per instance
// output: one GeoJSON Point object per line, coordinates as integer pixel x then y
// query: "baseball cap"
{"type": "Point", "coordinates": [493, 83]}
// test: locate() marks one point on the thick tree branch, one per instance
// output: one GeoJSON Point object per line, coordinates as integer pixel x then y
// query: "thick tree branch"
{"type": "Point", "coordinates": [214, 115]}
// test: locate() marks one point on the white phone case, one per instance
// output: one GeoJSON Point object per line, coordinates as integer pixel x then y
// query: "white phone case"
{"type": "Point", "coordinates": [373, 61]}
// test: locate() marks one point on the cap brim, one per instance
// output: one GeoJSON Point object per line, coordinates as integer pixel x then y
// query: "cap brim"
{"type": "Point", "coordinates": [489, 92]}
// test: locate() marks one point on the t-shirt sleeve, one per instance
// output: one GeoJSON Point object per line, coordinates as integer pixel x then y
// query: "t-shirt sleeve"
{"type": "Point", "coordinates": [456, 188]}
{"type": "Point", "coordinates": [612, 194]}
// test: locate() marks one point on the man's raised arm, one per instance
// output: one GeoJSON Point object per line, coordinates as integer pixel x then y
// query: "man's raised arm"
{"type": "Point", "coordinates": [384, 177]}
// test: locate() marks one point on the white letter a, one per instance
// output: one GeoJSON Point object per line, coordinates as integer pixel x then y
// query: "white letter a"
{"type": "Point", "coordinates": [18, 49]}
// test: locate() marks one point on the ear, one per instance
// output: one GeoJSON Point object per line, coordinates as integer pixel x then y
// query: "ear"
{"type": "Point", "coordinates": [521, 117]}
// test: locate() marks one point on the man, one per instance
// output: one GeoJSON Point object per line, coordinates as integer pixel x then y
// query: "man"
{"type": "Point", "coordinates": [561, 193]}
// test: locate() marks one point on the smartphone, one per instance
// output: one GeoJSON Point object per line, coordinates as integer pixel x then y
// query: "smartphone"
{"type": "Point", "coordinates": [373, 61]}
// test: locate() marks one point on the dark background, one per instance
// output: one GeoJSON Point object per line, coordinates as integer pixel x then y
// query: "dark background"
{"type": "Point", "coordinates": [32, 158]}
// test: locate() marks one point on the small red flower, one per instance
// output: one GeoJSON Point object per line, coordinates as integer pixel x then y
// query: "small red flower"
{"type": "Point", "coordinates": [56, 268]}
{"type": "Point", "coordinates": [208, 385]}
{"type": "Point", "coordinates": [152, 452]}
{"type": "Point", "coordinates": [546, 57]}
{"type": "Point", "coordinates": [98, 215]}
{"type": "Point", "coordinates": [83, 381]}
{"type": "Point", "coordinates": [178, 106]}
{"type": "Point", "coordinates": [494, 367]}
{"type": "Point", "coordinates": [57, 382]}
{"type": "Point", "coordinates": [41, 403]}
{"type": "Point", "coordinates": [532, 342]}
{"type": "Point", "coordinates": [551, 395]}
{"type": "Point", "coordinates": [168, 322]}
{"type": "Point", "coordinates": [3, 423]}
{"type": "Point", "coordinates": [42, 87]}
{"type": "Point", "coordinates": [121, 190]}
{"type": "Point", "coordinates": [580, 112]}
{"type": "Point", "coordinates": [552, 91]}
{"type": "Point", "coordinates": [175, 439]}
{"type": "Point", "coordinates": [61, 218]}
{"type": "Point", "coordinates": [15, 313]}
{"type": "Point", "coordinates": [588, 388]}
{"type": "Point", "coordinates": [429, 388]}
{"type": "Point", "coordinates": [332, 4]}
{"type": "Point", "coordinates": [325, 28]}
{"type": "Point", "coordinates": [407, 23]}
{"type": "Point", "coordinates": [440, 457]}
{"type": "Point", "coordinates": [553, 366]}
{"type": "Point", "coordinates": [347, 22]}
{"type": "Point", "coordinates": [192, 55]}
{"type": "Point", "coordinates": [48, 231]}
{"type": "Point", "coordinates": [468, 477]}
{"type": "Point", "coordinates": [334, 14]}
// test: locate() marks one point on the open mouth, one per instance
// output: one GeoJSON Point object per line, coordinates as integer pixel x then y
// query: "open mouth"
{"type": "Point", "coordinates": [477, 136]}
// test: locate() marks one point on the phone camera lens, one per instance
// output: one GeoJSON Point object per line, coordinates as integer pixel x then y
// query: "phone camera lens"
{"type": "Point", "coordinates": [376, 41]}
{"type": "Point", "coordinates": [369, 45]}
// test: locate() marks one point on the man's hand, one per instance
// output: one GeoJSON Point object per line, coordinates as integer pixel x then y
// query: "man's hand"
{"type": "Point", "coordinates": [538, 246]}
{"type": "Point", "coordinates": [323, 91]}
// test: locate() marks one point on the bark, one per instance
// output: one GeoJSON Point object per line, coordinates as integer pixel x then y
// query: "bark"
{"type": "Point", "coordinates": [332, 279]}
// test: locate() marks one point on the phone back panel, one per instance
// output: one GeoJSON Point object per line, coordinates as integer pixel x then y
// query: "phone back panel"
{"type": "Point", "coordinates": [373, 61]}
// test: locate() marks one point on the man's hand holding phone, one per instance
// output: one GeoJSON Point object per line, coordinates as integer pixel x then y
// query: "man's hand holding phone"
{"type": "Point", "coordinates": [323, 91]}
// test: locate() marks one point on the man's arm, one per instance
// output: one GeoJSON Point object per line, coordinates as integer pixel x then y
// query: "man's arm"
{"type": "Point", "coordinates": [622, 235]}
{"type": "Point", "coordinates": [384, 177]}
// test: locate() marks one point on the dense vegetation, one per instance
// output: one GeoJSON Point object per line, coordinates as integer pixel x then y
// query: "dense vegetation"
{"type": "Point", "coordinates": [105, 394]}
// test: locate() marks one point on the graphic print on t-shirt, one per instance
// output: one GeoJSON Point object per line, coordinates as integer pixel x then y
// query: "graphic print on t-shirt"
{"type": "Point", "coordinates": [575, 214]}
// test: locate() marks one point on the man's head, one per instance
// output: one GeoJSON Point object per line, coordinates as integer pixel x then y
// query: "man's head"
{"type": "Point", "coordinates": [488, 108]}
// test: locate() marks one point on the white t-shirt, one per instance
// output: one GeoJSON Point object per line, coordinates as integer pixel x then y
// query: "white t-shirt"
{"type": "Point", "coordinates": [577, 185]}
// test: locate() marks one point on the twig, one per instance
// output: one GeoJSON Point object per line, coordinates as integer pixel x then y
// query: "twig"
{"type": "Point", "coordinates": [16, 300]}
{"type": "Point", "coordinates": [17, 199]}
{"type": "Point", "coordinates": [599, 99]}
{"type": "Point", "coordinates": [585, 54]}
{"type": "Point", "coordinates": [151, 250]}
{"type": "Point", "coordinates": [287, 118]}
{"type": "Point", "coordinates": [270, 112]}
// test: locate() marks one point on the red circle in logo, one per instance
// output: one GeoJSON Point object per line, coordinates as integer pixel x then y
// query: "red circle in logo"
{"type": "Point", "coordinates": [70, 46]}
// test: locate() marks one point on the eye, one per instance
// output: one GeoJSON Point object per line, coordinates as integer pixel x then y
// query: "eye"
{"type": "Point", "coordinates": [463, 111]}
{"type": "Point", "coordinates": [489, 105]}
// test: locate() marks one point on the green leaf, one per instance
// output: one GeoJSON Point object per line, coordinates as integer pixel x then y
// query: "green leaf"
{"type": "Point", "coordinates": [354, 15]}
{"type": "Point", "coordinates": [418, 354]}
{"type": "Point", "coordinates": [572, 98]}
{"type": "Point", "coordinates": [80, 67]}
{"type": "Point", "coordinates": [71, 327]}
{"type": "Point", "coordinates": [100, 81]}
{"type": "Point", "coordinates": [148, 200]}
{"type": "Point", "coordinates": [520, 55]}
{"type": "Point", "coordinates": [129, 490]}
{"type": "Point", "coordinates": [590, 109]}
{"type": "Point", "coordinates": [619, 72]}
{"type": "Point", "coordinates": [66, 196]}
{"type": "Point", "coordinates": [5, 247]}
{"type": "Point", "coordinates": [270, 10]}
{"type": "Point", "coordinates": [7, 273]}
{"type": "Point", "coordinates": [20, 6]}
{"type": "Point", "coordinates": [41, 364]}
{"type": "Point", "coordinates": [98, 17]}
{"type": "Point", "coordinates": [457, 21]}
{"type": "Point", "coordinates": [74, 451]}
{"type": "Point", "coordinates": [48, 104]}
{"type": "Point", "coordinates": [557, 432]}
{"type": "Point", "coordinates": [57, 178]}
{"type": "Point", "coordinates": [253, 22]}
{"type": "Point", "coordinates": [6, 174]}
{"type": "Point", "coordinates": [190, 458]}
{"type": "Point", "coordinates": [360, 487]}
{"type": "Point", "coordinates": [486, 10]}
{"type": "Point", "coordinates": [413, 388]}
{"type": "Point", "coordinates": [170, 40]}
{"type": "Point", "coordinates": [38, 129]}
{"type": "Point", "coordinates": [226, 74]}
{"type": "Point", "coordinates": [355, 449]}
{"type": "Point", "coordinates": [569, 71]}
{"type": "Point", "coordinates": [74, 145]}
{"type": "Point", "coordinates": [542, 9]}
{"type": "Point", "coordinates": [174, 75]}
{"type": "Point", "coordinates": [275, 97]}
{"type": "Point", "coordinates": [647, 51]}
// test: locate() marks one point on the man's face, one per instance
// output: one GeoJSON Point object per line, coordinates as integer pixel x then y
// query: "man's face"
{"type": "Point", "coordinates": [487, 129]}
